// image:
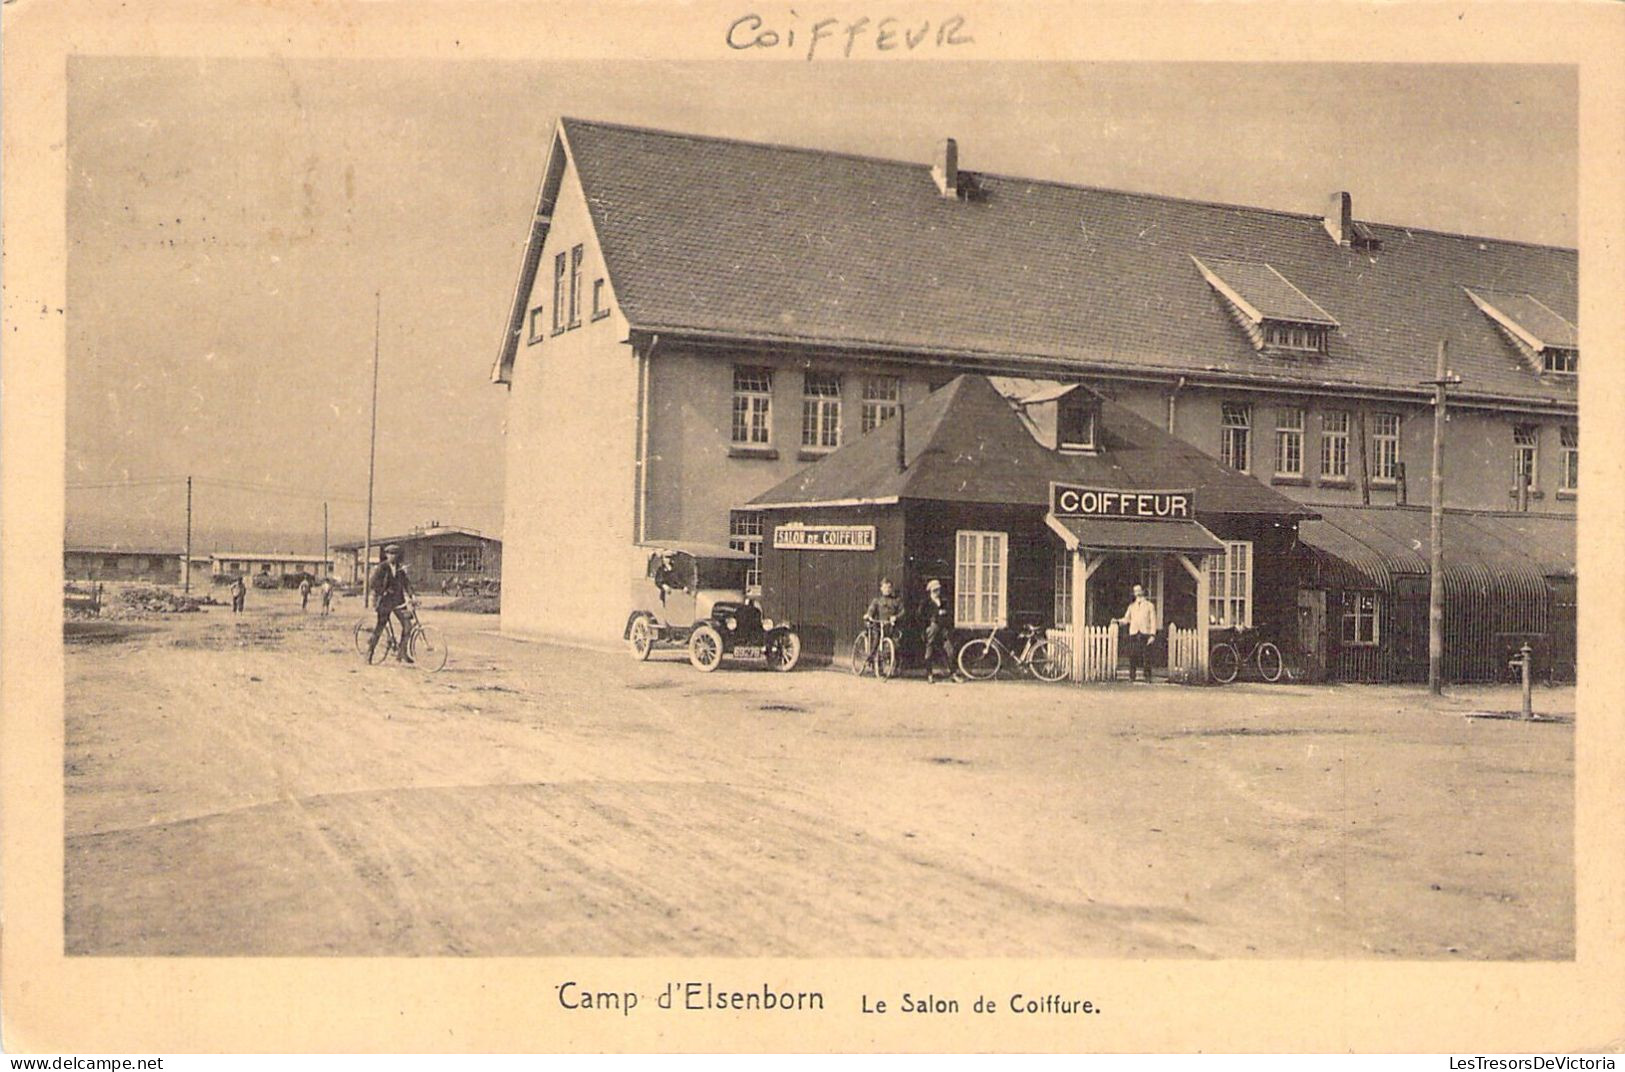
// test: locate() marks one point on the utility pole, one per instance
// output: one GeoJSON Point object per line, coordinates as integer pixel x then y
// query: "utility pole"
{"type": "Point", "coordinates": [372, 452]}
{"type": "Point", "coordinates": [1443, 378]}
{"type": "Point", "coordinates": [327, 562]}
{"type": "Point", "coordinates": [186, 567]}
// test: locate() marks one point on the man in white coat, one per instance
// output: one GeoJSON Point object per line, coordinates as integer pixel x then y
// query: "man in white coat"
{"type": "Point", "coordinates": [1141, 619]}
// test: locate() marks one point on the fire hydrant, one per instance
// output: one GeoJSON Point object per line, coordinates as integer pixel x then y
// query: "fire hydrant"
{"type": "Point", "coordinates": [1525, 662]}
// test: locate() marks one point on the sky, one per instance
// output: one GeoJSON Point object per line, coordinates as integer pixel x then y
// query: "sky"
{"type": "Point", "coordinates": [233, 226]}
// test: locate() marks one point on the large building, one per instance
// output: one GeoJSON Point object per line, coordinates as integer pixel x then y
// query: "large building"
{"type": "Point", "coordinates": [697, 320]}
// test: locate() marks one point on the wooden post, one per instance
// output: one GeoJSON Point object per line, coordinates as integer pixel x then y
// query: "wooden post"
{"type": "Point", "coordinates": [1441, 381]}
{"type": "Point", "coordinates": [186, 567]}
{"type": "Point", "coordinates": [1199, 572]}
{"type": "Point", "coordinates": [1080, 614]}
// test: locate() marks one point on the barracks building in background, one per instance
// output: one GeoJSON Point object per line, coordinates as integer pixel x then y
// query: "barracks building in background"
{"type": "Point", "coordinates": [703, 329]}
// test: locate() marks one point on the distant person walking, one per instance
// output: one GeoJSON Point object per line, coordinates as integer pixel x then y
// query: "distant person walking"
{"type": "Point", "coordinates": [327, 596]}
{"type": "Point", "coordinates": [304, 593]}
{"type": "Point", "coordinates": [239, 594]}
{"type": "Point", "coordinates": [1141, 619]}
{"type": "Point", "coordinates": [391, 589]}
{"type": "Point", "coordinates": [939, 621]}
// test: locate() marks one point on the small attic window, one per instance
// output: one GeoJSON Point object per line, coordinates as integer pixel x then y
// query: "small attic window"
{"type": "Point", "coordinates": [1547, 340]}
{"type": "Point", "coordinates": [1274, 313]}
{"type": "Point", "coordinates": [1077, 422]}
{"type": "Point", "coordinates": [1284, 335]}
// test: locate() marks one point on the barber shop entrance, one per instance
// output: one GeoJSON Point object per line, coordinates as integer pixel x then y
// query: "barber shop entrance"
{"type": "Point", "coordinates": [1023, 531]}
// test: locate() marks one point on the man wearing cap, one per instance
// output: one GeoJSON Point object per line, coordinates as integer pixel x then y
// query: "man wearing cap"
{"type": "Point", "coordinates": [390, 591]}
{"type": "Point", "coordinates": [939, 623]}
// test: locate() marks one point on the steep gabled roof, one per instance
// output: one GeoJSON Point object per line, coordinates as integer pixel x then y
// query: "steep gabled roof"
{"type": "Point", "coordinates": [966, 443]}
{"type": "Point", "coordinates": [730, 239]}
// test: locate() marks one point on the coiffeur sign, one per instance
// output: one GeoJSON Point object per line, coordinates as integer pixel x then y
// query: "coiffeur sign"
{"type": "Point", "coordinates": [794, 537]}
{"type": "Point", "coordinates": [1072, 500]}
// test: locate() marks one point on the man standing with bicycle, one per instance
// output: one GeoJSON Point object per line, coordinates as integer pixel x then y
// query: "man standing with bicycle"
{"type": "Point", "coordinates": [391, 590]}
{"type": "Point", "coordinates": [1141, 619]}
{"type": "Point", "coordinates": [882, 615]}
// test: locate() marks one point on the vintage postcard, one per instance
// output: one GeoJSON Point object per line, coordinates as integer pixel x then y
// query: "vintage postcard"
{"type": "Point", "coordinates": [710, 526]}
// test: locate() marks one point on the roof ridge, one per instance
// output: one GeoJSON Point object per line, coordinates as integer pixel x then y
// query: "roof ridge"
{"type": "Point", "coordinates": [1060, 183]}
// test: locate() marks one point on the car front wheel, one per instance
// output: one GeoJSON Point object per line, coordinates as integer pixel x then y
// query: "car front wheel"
{"type": "Point", "coordinates": [641, 639]}
{"type": "Point", "coordinates": [705, 648]}
{"type": "Point", "coordinates": [784, 651]}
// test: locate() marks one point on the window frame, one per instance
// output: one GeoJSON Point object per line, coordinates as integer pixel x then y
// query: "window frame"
{"type": "Point", "coordinates": [1077, 403]}
{"type": "Point", "coordinates": [1221, 570]}
{"type": "Point", "coordinates": [1568, 469]}
{"type": "Point", "coordinates": [823, 407]}
{"type": "Point", "coordinates": [460, 553]}
{"type": "Point", "coordinates": [600, 287]}
{"type": "Point", "coordinates": [1355, 614]}
{"type": "Point", "coordinates": [1526, 445]}
{"type": "Point", "coordinates": [1283, 433]}
{"type": "Point", "coordinates": [1296, 337]}
{"type": "Point", "coordinates": [745, 414]}
{"type": "Point", "coordinates": [977, 592]}
{"type": "Point", "coordinates": [1553, 356]}
{"type": "Point", "coordinates": [559, 267]}
{"type": "Point", "coordinates": [538, 325]}
{"type": "Point", "coordinates": [1230, 432]}
{"type": "Point", "coordinates": [1334, 442]}
{"type": "Point", "coordinates": [745, 529]}
{"type": "Point", "coordinates": [1379, 439]}
{"type": "Point", "coordinates": [578, 253]}
{"type": "Point", "coordinates": [1062, 586]}
{"type": "Point", "coordinates": [876, 407]}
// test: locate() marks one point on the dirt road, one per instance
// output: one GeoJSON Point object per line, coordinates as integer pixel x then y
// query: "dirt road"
{"type": "Point", "coordinates": [249, 787]}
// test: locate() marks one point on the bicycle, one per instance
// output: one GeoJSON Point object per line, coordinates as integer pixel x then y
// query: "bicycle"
{"type": "Point", "coordinates": [1047, 660]}
{"type": "Point", "coordinates": [1225, 661]}
{"type": "Point", "coordinates": [876, 649]}
{"type": "Point", "coordinates": [425, 646]}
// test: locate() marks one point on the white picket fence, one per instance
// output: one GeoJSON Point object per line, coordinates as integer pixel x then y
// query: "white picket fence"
{"type": "Point", "coordinates": [1186, 659]}
{"type": "Point", "coordinates": [1095, 659]}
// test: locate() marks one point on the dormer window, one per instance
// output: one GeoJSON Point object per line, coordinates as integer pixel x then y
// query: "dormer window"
{"type": "Point", "coordinates": [1283, 335]}
{"type": "Point", "coordinates": [1076, 422]}
{"type": "Point", "coordinates": [1275, 314]}
{"type": "Point", "coordinates": [1548, 341]}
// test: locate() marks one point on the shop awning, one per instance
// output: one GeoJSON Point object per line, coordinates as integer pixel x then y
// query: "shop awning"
{"type": "Point", "coordinates": [1119, 534]}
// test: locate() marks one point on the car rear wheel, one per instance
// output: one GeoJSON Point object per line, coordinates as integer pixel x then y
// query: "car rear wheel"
{"type": "Point", "coordinates": [705, 648]}
{"type": "Point", "coordinates": [784, 651]}
{"type": "Point", "coordinates": [641, 639]}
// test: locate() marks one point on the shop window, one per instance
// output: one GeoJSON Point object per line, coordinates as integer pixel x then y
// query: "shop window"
{"type": "Point", "coordinates": [536, 328]}
{"type": "Point", "coordinates": [1360, 618]}
{"type": "Point", "coordinates": [577, 253]}
{"type": "Point", "coordinates": [881, 396]}
{"type": "Point", "coordinates": [745, 534]}
{"type": "Point", "coordinates": [560, 263]}
{"type": "Point", "coordinates": [600, 299]}
{"type": "Point", "coordinates": [821, 411]}
{"type": "Point", "coordinates": [458, 560]}
{"type": "Point", "coordinates": [1235, 434]}
{"type": "Point", "coordinates": [1570, 458]}
{"type": "Point", "coordinates": [1076, 421]}
{"type": "Point", "coordinates": [1334, 445]}
{"type": "Point", "coordinates": [980, 560]}
{"type": "Point", "coordinates": [753, 406]}
{"type": "Point", "coordinates": [1289, 442]}
{"type": "Point", "coordinates": [1063, 588]}
{"type": "Point", "coordinates": [1385, 448]}
{"type": "Point", "coordinates": [1230, 586]}
{"type": "Point", "coordinates": [1525, 456]}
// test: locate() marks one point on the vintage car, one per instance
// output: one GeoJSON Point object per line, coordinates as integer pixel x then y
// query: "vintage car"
{"type": "Point", "coordinates": [694, 595]}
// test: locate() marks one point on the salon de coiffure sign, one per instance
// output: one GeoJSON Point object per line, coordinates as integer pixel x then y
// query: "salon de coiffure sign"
{"type": "Point", "coordinates": [1073, 500]}
{"type": "Point", "coordinates": [798, 537]}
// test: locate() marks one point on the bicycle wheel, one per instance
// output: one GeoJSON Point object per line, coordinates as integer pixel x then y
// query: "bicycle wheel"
{"type": "Point", "coordinates": [385, 648]}
{"type": "Point", "coordinates": [1270, 662]}
{"type": "Point", "coordinates": [886, 659]}
{"type": "Point", "coordinates": [363, 633]}
{"type": "Point", "coordinates": [1223, 663]}
{"type": "Point", "coordinates": [980, 659]}
{"type": "Point", "coordinates": [428, 648]}
{"type": "Point", "coordinates": [860, 654]}
{"type": "Point", "coordinates": [1051, 660]}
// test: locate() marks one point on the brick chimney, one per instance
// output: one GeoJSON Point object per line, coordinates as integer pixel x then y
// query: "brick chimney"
{"type": "Point", "coordinates": [946, 169]}
{"type": "Point", "coordinates": [1340, 218]}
